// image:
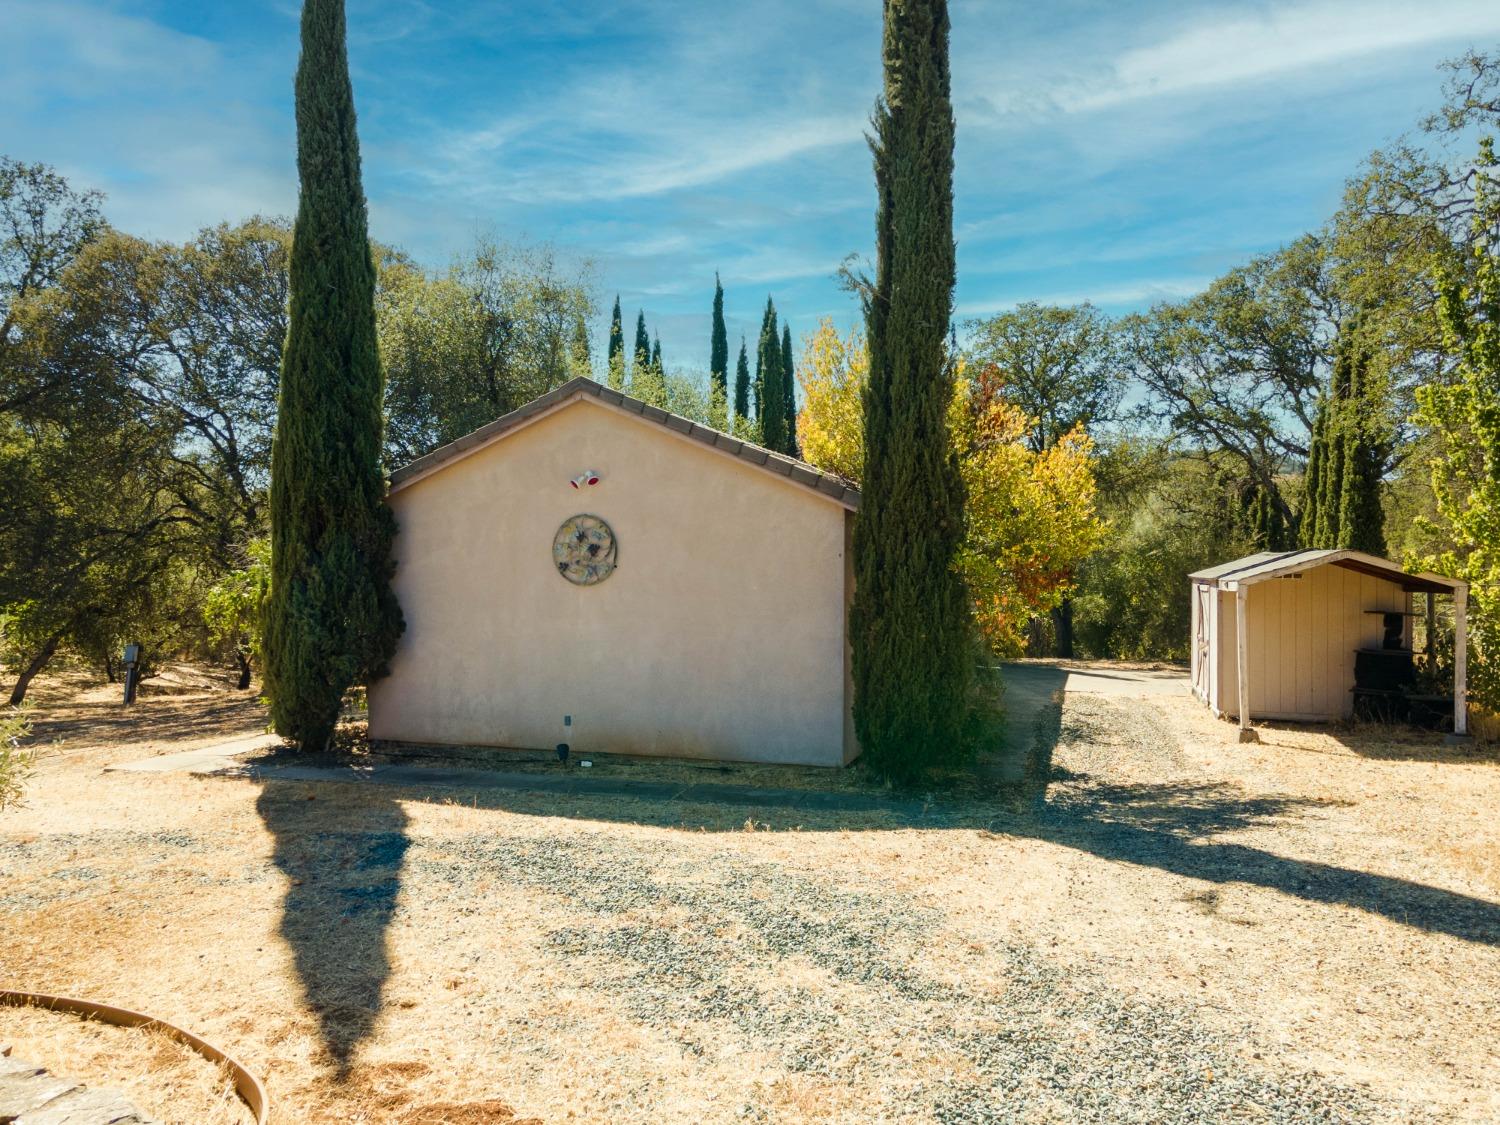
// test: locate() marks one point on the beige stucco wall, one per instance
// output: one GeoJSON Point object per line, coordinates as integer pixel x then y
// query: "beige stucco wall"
{"type": "Point", "coordinates": [721, 633]}
{"type": "Point", "coordinates": [1302, 632]}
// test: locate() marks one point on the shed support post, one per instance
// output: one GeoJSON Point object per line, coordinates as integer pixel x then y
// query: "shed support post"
{"type": "Point", "coordinates": [1431, 627]}
{"type": "Point", "coordinates": [1242, 665]}
{"type": "Point", "coordinates": [1461, 662]}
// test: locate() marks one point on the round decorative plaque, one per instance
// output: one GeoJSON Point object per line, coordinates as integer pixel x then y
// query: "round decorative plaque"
{"type": "Point", "coordinates": [584, 550]}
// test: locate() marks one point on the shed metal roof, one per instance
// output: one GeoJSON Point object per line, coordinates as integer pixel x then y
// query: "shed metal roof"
{"type": "Point", "coordinates": [1279, 564]}
{"type": "Point", "coordinates": [833, 487]}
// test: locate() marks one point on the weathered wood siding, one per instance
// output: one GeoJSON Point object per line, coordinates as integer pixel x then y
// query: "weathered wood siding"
{"type": "Point", "coordinates": [1303, 633]}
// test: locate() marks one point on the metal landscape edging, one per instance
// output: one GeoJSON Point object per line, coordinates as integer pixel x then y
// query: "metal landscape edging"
{"type": "Point", "coordinates": [246, 1084]}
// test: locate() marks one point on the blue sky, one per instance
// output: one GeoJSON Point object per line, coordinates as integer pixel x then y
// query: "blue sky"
{"type": "Point", "coordinates": [1120, 152]}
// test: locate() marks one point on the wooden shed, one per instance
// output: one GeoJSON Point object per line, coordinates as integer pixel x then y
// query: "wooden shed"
{"type": "Point", "coordinates": [1282, 635]}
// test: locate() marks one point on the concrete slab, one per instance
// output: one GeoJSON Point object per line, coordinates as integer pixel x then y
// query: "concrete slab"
{"type": "Point", "coordinates": [205, 759]}
{"type": "Point", "coordinates": [1126, 681]}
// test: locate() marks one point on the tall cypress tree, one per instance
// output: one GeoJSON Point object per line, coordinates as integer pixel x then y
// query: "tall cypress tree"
{"type": "Point", "coordinates": [1331, 479]}
{"type": "Point", "coordinates": [760, 360]}
{"type": "Point", "coordinates": [789, 389]}
{"type": "Point", "coordinates": [718, 355]}
{"type": "Point", "coordinates": [910, 622]}
{"type": "Point", "coordinates": [1361, 518]}
{"type": "Point", "coordinates": [331, 618]}
{"type": "Point", "coordinates": [770, 397]}
{"type": "Point", "coordinates": [1312, 480]}
{"type": "Point", "coordinates": [742, 383]}
{"type": "Point", "coordinates": [642, 354]}
{"type": "Point", "coordinates": [1342, 487]}
{"type": "Point", "coordinates": [616, 335]}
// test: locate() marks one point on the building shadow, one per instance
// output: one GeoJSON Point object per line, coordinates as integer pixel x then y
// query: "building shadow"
{"type": "Point", "coordinates": [1169, 827]}
{"type": "Point", "coordinates": [341, 851]}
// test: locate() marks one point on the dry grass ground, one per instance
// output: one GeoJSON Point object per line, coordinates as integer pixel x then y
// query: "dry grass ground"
{"type": "Point", "coordinates": [1185, 930]}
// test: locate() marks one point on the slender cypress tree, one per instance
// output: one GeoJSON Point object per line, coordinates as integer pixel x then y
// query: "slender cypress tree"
{"type": "Point", "coordinates": [910, 622]}
{"type": "Point", "coordinates": [656, 355]}
{"type": "Point", "coordinates": [1361, 518]}
{"type": "Point", "coordinates": [1342, 506]}
{"type": "Point", "coordinates": [769, 372]}
{"type": "Point", "coordinates": [642, 353]}
{"type": "Point", "coordinates": [1331, 478]}
{"type": "Point", "coordinates": [616, 335]}
{"type": "Point", "coordinates": [1312, 481]}
{"type": "Point", "coordinates": [331, 618]}
{"type": "Point", "coordinates": [742, 383]}
{"type": "Point", "coordinates": [789, 388]}
{"type": "Point", "coordinates": [766, 321]}
{"type": "Point", "coordinates": [718, 357]}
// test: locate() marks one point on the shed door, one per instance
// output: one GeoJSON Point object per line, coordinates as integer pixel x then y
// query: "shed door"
{"type": "Point", "coordinates": [1202, 609]}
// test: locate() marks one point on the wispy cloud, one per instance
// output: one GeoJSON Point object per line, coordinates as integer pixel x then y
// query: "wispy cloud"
{"type": "Point", "coordinates": [667, 155]}
{"type": "Point", "coordinates": [1230, 49]}
{"type": "Point", "coordinates": [1144, 291]}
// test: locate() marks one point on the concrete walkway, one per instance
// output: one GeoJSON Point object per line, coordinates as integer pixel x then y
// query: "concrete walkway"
{"type": "Point", "coordinates": [204, 759]}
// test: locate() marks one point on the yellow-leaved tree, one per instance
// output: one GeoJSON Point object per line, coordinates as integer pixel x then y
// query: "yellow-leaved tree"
{"type": "Point", "coordinates": [1030, 517]}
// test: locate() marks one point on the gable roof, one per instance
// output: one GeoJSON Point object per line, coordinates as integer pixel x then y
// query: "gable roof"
{"type": "Point", "coordinates": [833, 487]}
{"type": "Point", "coordinates": [1279, 564]}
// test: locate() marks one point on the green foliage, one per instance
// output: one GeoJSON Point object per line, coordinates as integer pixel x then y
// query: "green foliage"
{"type": "Point", "coordinates": [580, 355]}
{"type": "Point", "coordinates": [1168, 516]}
{"type": "Point", "coordinates": [691, 396]}
{"type": "Point", "coordinates": [718, 407]}
{"type": "Point", "coordinates": [742, 384]}
{"type": "Point", "coordinates": [44, 223]}
{"type": "Point", "coordinates": [789, 389]}
{"type": "Point", "coordinates": [1464, 418]}
{"type": "Point", "coordinates": [460, 349]}
{"type": "Point", "coordinates": [16, 760]}
{"type": "Point", "coordinates": [641, 357]}
{"type": "Point", "coordinates": [331, 617]}
{"type": "Point", "coordinates": [912, 639]}
{"type": "Point", "coordinates": [233, 607]}
{"type": "Point", "coordinates": [718, 360]}
{"type": "Point", "coordinates": [648, 384]}
{"type": "Point", "coordinates": [1058, 365]}
{"type": "Point", "coordinates": [770, 396]}
{"type": "Point", "coordinates": [616, 338]}
{"type": "Point", "coordinates": [1342, 498]}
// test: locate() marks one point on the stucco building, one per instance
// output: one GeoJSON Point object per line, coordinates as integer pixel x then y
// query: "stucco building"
{"type": "Point", "coordinates": [675, 591]}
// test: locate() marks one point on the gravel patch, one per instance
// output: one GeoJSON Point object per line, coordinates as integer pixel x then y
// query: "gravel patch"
{"type": "Point", "coordinates": [837, 982]}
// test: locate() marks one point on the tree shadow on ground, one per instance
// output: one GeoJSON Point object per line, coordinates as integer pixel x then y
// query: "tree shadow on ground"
{"type": "Point", "coordinates": [1166, 827]}
{"type": "Point", "coordinates": [1170, 827]}
{"type": "Point", "coordinates": [341, 854]}
{"type": "Point", "coordinates": [156, 720]}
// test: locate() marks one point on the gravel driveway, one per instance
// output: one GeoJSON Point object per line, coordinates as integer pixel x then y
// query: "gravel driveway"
{"type": "Point", "coordinates": [1167, 935]}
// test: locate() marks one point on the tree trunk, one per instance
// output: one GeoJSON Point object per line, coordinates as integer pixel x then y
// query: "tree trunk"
{"type": "Point", "coordinates": [244, 662]}
{"type": "Point", "coordinates": [109, 669]}
{"type": "Point", "coordinates": [1062, 629]}
{"type": "Point", "coordinates": [38, 662]}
